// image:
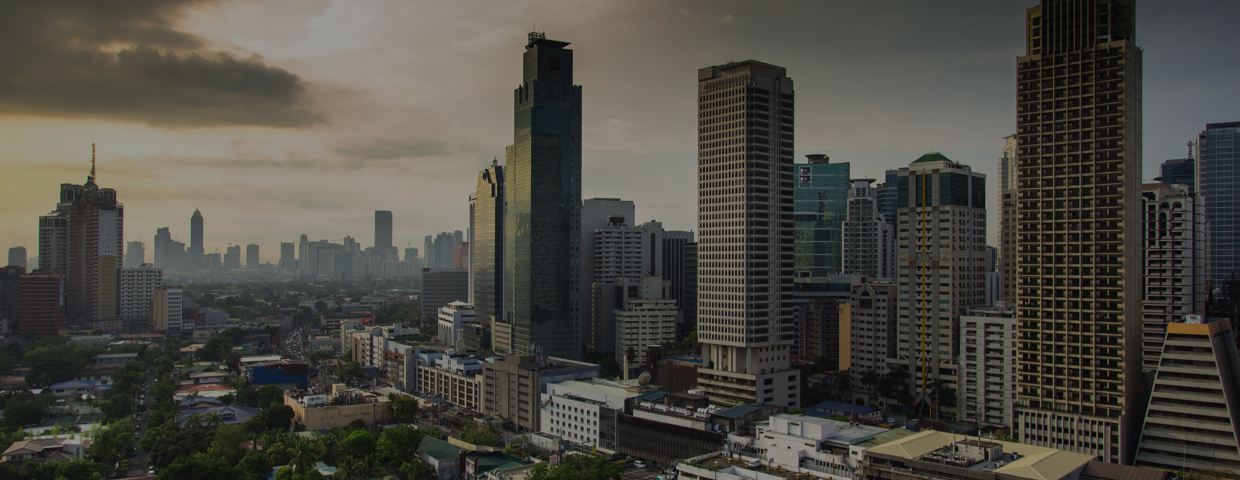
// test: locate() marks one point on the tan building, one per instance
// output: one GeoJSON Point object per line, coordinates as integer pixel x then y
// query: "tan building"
{"type": "Point", "coordinates": [871, 334]}
{"type": "Point", "coordinates": [513, 386]}
{"type": "Point", "coordinates": [328, 411]}
{"type": "Point", "coordinates": [1080, 229]}
{"type": "Point", "coordinates": [457, 379]}
{"type": "Point", "coordinates": [1175, 262]}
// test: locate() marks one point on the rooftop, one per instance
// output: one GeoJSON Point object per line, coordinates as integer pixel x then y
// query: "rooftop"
{"type": "Point", "coordinates": [741, 410]}
{"type": "Point", "coordinates": [439, 449]}
{"type": "Point", "coordinates": [933, 157]}
{"type": "Point", "coordinates": [845, 407]}
{"type": "Point", "coordinates": [1016, 459]}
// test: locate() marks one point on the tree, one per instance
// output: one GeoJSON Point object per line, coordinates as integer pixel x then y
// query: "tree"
{"type": "Point", "coordinates": [269, 394]}
{"type": "Point", "coordinates": [80, 469]}
{"type": "Point", "coordinates": [271, 330]}
{"type": "Point", "coordinates": [418, 470]}
{"type": "Point", "coordinates": [254, 466]}
{"type": "Point", "coordinates": [277, 417]}
{"type": "Point", "coordinates": [236, 334]}
{"type": "Point", "coordinates": [57, 363]}
{"type": "Point", "coordinates": [399, 443]}
{"type": "Point", "coordinates": [361, 468]}
{"type": "Point", "coordinates": [583, 467]}
{"type": "Point", "coordinates": [404, 407]}
{"type": "Point", "coordinates": [37, 470]}
{"type": "Point", "coordinates": [360, 443]}
{"type": "Point", "coordinates": [286, 473]}
{"type": "Point", "coordinates": [330, 449]}
{"type": "Point", "coordinates": [303, 460]}
{"type": "Point", "coordinates": [216, 348]}
{"type": "Point", "coordinates": [478, 434]}
{"type": "Point", "coordinates": [24, 411]}
{"type": "Point", "coordinates": [227, 444]}
{"type": "Point", "coordinates": [111, 444]}
{"type": "Point", "coordinates": [247, 395]}
{"type": "Point", "coordinates": [199, 466]}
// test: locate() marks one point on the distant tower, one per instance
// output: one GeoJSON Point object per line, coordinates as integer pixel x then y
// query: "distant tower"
{"type": "Point", "coordinates": [17, 256]}
{"type": "Point", "coordinates": [383, 230]}
{"type": "Point", "coordinates": [251, 256]}
{"type": "Point", "coordinates": [195, 240]}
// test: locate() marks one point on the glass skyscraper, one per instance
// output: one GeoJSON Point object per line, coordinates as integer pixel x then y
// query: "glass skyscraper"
{"type": "Point", "coordinates": [819, 207]}
{"type": "Point", "coordinates": [543, 192]}
{"type": "Point", "coordinates": [1218, 150]}
{"type": "Point", "coordinates": [486, 221]}
{"type": "Point", "coordinates": [1179, 172]}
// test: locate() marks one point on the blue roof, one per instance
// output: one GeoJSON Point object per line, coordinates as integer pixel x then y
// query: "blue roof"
{"type": "Point", "coordinates": [74, 384]}
{"type": "Point", "coordinates": [741, 410]}
{"type": "Point", "coordinates": [845, 407]}
{"type": "Point", "coordinates": [686, 358]}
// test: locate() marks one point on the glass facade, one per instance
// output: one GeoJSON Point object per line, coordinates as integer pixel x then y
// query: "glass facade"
{"type": "Point", "coordinates": [1179, 172]}
{"type": "Point", "coordinates": [1218, 149]}
{"type": "Point", "coordinates": [487, 256]}
{"type": "Point", "coordinates": [819, 208]}
{"type": "Point", "coordinates": [543, 217]}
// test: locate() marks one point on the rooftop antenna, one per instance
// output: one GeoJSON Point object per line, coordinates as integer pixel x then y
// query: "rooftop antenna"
{"type": "Point", "coordinates": [92, 160]}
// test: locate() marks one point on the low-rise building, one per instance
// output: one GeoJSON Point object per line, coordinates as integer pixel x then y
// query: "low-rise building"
{"type": "Point", "coordinates": [854, 413]}
{"type": "Point", "coordinates": [452, 318]}
{"type": "Point", "coordinates": [585, 412]}
{"type": "Point", "coordinates": [51, 450]}
{"type": "Point", "coordinates": [282, 371]}
{"type": "Point", "coordinates": [455, 378]}
{"type": "Point", "coordinates": [319, 410]}
{"type": "Point", "coordinates": [227, 414]}
{"type": "Point", "coordinates": [115, 358]}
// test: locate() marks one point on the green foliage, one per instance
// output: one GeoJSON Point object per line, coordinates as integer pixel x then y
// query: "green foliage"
{"type": "Point", "coordinates": [478, 434]}
{"type": "Point", "coordinates": [111, 444]}
{"type": "Point", "coordinates": [271, 330]}
{"type": "Point", "coordinates": [578, 467]}
{"type": "Point", "coordinates": [217, 348]}
{"type": "Point", "coordinates": [80, 469]}
{"type": "Point", "coordinates": [227, 444]}
{"type": "Point", "coordinates": [39, 471]}
{"type": "Point", "coordinates": [404, 407]}
{"type": "Point", "coordinates": [399, 443]}
{"type": "Point", "coordinates": [8, 439]}
{"type": "Point", "coordinates": [279, 417]}
{"type": "Point", "coordinates": [269, 394]}
{"type": "Point", "coordinates": [199, 466]}
{"type": "Point", "coordinates": [359, 468]}
{"type": "Point", "coordinates": [236, 334]}
{"type": "Point", "coordinates": [417, 470]}
{"type": "Point", "coordinates": [170, 441]}
{"type": "Point", "coordinates": [286, 473]}
{"type": "Point", "coordinates": [247, 395]}
{"type": "Point", "coordinates": [254, 466]}
{"type": "Point", "coordinates": [23, 408]}
{"type": "Point", "coordinates": [57, 363]}
{"type": "Point", "coordinates": [360, 443]}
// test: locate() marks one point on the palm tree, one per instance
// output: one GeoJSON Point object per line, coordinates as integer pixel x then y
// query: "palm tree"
{"type": "Point", "coordinates": [330, 449]}
{"type": "Point", "coordinates": [303, 460]}
{"type": "Point", "coordinates": [194, 420]}
{"type": "Point", "coordinates": [366, 468]}
{"type": "Point", "coordinates": [417, 470]}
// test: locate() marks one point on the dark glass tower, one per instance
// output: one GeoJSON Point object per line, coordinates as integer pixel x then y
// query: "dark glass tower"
{"type": "Point", "coordinates": [196, 249]}
{"type": "Point", "coordinates": [383, 230]}
{"type": "Point", "coordinates": [1079, 229]}
{"type": "Point", "coordinates": [1218, 149]}
{"type": "Point", "coordinates": [543, 192]}
{"type": "Point", "coordinates": [486, 211]}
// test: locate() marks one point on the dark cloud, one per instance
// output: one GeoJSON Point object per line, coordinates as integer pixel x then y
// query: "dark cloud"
{"type": "Point", "coordinates": [388, 149]}
{"type": "Point", "coordinates": [127, 61]}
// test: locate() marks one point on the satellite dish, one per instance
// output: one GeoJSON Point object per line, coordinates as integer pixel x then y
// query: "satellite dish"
{"type": "Point", "coordinates": [644, 378]}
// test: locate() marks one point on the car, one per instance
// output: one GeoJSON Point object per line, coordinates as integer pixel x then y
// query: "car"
{"type": "Point", "coordinates": [639, 464]}
{"type": "Point", "coordinates": [150, 472]}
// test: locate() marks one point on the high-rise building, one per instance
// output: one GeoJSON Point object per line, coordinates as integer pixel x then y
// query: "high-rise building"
{"type": "Point", "coordinates": [232, 257]}
{"type": "Point", "coordinates": [1008, 165]}
{"type": "Point", "coordinates": [428, 248]}
{"type": "Point", "coordinates": [351, 245]}
{"type": "Point", "coordinates": [689, 300]}
{"type": "Point", "coordinates": [441, 286]}
{"type": "Point", "coordinates": [17, 256]}
{"type": "Point", "coordinates": [303, 255]}
{"type": "Point", "coordinates": [1192, 414]}
{"type": "Point", "coordinates": [383, 230]}
{"type": "Point", "coordinates": [486, 225]}
{"type": "Point", "coordinates": [196, 250]}
{"type": "Point", "coordinates": [169, 254]}
{"type": "Point", "coordinates": [596, 213]}
{"type": "Point", "coordinates": [871, 325]}
{"type": "Point", "coordinates": [10, 298]}
{"type": "Point", "coordinates": [137, 289]}
{"type": "Point", "coordinates": [987, 365]}
{"type": "Point", "coordinates": [1006, 262]}
{"type": "Point", "coordinates": [942, 238]}
{"type": "Point", "coordinates": [1179, 172]}
{"type": "Point", "coordinates": [251, 256]}
{"type": "Point", "coordinates": [542, 224]}
{"type": "Point", "coordinates": [1175, 262]}
{"type": "Point", "coordinates": [645, 317]}
{"type": "Point", "coordinates": [96, 241]}
{"type": "Point", "coordinates": [135, 254]}
{"type": "Point", "coordinates": [41, 304]}
{"type": "Point", "coordinates": [821, 201]}
{"type": "Point", "coordinates": [888, 193]}
{"type": "Point", "coordinates": [288, 252]}
{"type": "Point", "coordinates": [167, 313]}
{"type": "Point", "coordinates": [54, 242]}
{"type": "Point", "coordinates": [411, 254]}
{"type": "Point", "coordinates": [745, 249]}
{"type": "Point", "coordinates": [869, 241]}
{"type": "Point", "coordinates": [1219, 165]}
{"type": "Point", "coordinates": [1078, 201]}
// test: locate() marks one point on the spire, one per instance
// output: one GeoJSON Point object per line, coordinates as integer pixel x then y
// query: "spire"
{"type": "Point", "coordinates": [90, 180]}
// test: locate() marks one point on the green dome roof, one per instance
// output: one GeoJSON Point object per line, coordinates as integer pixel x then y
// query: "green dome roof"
{"type": "Point", "coordinates": [933, 157]}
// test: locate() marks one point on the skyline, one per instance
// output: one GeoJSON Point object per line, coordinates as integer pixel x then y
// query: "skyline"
{"type": "Point", "coordinates": [898, 85]}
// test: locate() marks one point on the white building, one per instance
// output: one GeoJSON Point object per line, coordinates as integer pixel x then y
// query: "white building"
{"type": "Point", "coordinates": [869, 246]}
{"type": "Point", "coordinates": [369, 343]}
{"type": "Point", "coordinates": [581, 411]}
{"type": "Point", "coordinates": [166, 313]}
{"type": "Point", "coordinates": [451, 319]}
{"type": "Point", "coordinates": [646, 318]}
{"type": "Point", "coordinates": [1175, 262]}
{"type": "Point", "coordinates": [987, 366]}
{"type": "Point", "coordinates": [871, 335]}
{"type": "Point", "coordinates": [137, 289]}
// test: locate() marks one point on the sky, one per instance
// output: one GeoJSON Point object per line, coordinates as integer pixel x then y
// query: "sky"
{"type": "Point", "coordinates": [282, 117]}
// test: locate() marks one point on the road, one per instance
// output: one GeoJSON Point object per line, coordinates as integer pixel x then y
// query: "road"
{"type": "Point", "coordinates": [137, 463]}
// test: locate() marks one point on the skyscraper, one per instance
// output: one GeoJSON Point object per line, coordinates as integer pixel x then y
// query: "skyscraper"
{"type": "Point", "coordinates": [232, 257]}
{"type": "Point", "coordinates": [745, 245]}
{"type": "Point", "coordinates": [287, 250]}
{"type": "Point", "coordinates": [96, 240]}
{"type": "Point", "coordinates": [1175, 262]}
{"type": "Point", "coordinates": [17, 256]}
{"type": "Point", "coordinates": [251, 256]}
{"type": "Point", "coordinates": [821, 198]}
{"type": "Point", "coordinates": [1179, 172]}
{"type": "Point", "coordinates": [486, 224]}
{"type": "Point", "coordinates": [196, 250]}
{"type": "Point", "coordinates": [596, 213]}
{"type": "Point", "coordinates": [869, 242]}
{"type": "Point", "coordinates": [383, 230]}
{"type": "Point", "coordinates": [1218, 155]}
{"type": "Point", "coordinates": [1007, 216]}
{"type": "Point", "coordinates": [135, 254]}
{"type": "Point", "coordinates": [543, 193]}
{"type": "Point", "coordinates": [941, 243]}
{"type": "Point", "coordinates": [1078, 201]}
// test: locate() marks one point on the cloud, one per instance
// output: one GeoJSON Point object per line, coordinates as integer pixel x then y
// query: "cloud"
{"type": "Point", "coordinates": [726, 19]}
{"type": "Point", "coordinates": [389, 149]}
{"type": "Point", "coordinates": [127, 61]}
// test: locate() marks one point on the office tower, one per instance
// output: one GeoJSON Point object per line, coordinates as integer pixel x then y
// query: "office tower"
{"type": "Point", "coordinates": [1191, 419]}
{"type": "Point", "coordinates": [169, 254]}
{"type": "Point", "coordinates": [303, 254]}
{"type": "Point", "coordinates": [1008, 236]}
{"type": "Point", "coordinates": [411, 254]}
{"type": "Point", "coordinates": [288, 259]}
{"type": "Point", "coordinates": [869, 241]}
{"type": "Point", "coordinates": [1008, 163]}
{"type": "Point", "coordinates": [251, 256]}
{"type": "Point", "coordinates": [428, 248]}
{"type": "Point", "coordinates": [486, 224]}
{"type": "Point", "coordinates": [987, 365]}
{"type": "Point", "coordinates": [941, 238]}
{"type": "Point", "coordinates": [383, 229]}
{"type": "Point", "coordinates": [212, 261]}
{"type": "Point", "coordinates": [821, 198]}
{"type": "Point", "coordinates": [542, 223]}
{"type": "Point", "coordinates": [674, 270]}
{"type": "Point", "coordinates": [96, 233]}
{"type": "Point", "coordinates": [644, 317]}
{"type": "Point", "coordinates": [618, 251]}
{"type": "Point", "coordinates": [441, 286]}
{"type": "Point", "coordinates": [135, 254]}
{"type": "Point", "coordinates": [351, 246]}
{"type": "Point", "coordinates": [232, 257]}
{"type": "Point", "coordinates": [1219, 166]}
{"type": "Point", "coordinates": [197, 249]}
{"type": "Point", "coordinates": [1078, 206]}
{"type": "Point", "coordinates": [819, 328]}
{"type": "Point", "coordinates": [1175, 262]}
{"type": "Point", "coordinates": [10, 279]}
{"type": "Point", "coordinates": [443, 249]}
{"type": "Point", "coordinates": [814, 301]}
{"type": "Point", "coordinates": [888, 193]}
{"type": "Point", "coordinates": [596, 213]}
{"type": "Point", "coordinates": [1179, 172]}
{"type": "Point", "coordinates": [137, 289]}
{"type": "Point", "coordinates": [40, 304]}
{"type": "Point", "coordinates": [460, 256]}
{"type": "Point", "coordinates": [689, 302]}
{"type": "Point", "coordinates": [54, 243]}
{"type": "Point", "coordinates": [17, 256]}
{"type": "Point", "coordinates": [745, 249]}
{"type": "Point", "coordinates": [872, 333]}
{"type": "Point", "coordinates": [167, 314]}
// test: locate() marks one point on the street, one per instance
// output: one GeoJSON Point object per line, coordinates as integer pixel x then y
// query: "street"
{"type": "Point", "coordinates": [137, 463]}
